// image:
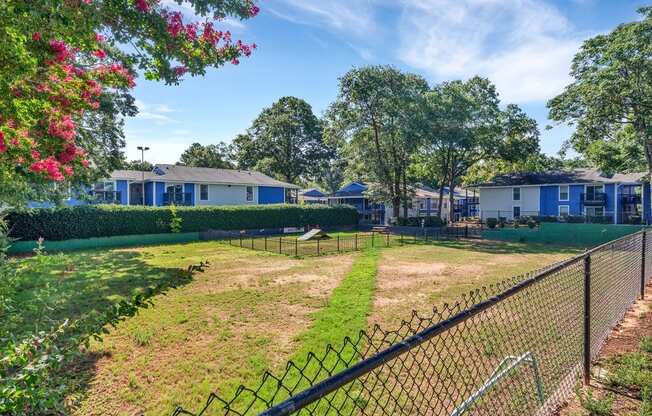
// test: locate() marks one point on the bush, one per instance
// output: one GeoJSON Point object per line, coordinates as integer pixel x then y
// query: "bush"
{"type": "Point", "coordinates": [492, 222]}
{"type": "Point", "coordinates": [111, 220]}
{"type": "Point", "coordinates": [416, 221]}
{"type": "Point", "coordinates": [575, 219]}
{"type": "Point", "coordinates": [547, 218]}
{"type": "Point", "coordinates": [531, 224]}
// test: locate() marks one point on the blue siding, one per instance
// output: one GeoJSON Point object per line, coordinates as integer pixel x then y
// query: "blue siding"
{"type": "Point", "coordinates": [549, 200]}
{"type": "Point", "coordinates": [190, 187]}
{"type": "Point", "coordinates": [271, 195]}
{"type": "Point", "coordinates": [122, 186]}
{"type": "Point", "coordinates": [160, 190]}
{"type": "Point", "coordinates": [149, 193]}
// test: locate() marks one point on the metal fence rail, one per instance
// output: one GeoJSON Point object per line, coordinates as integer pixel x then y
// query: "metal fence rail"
{"type": "Point", "coordinates": [470, 357]}
{"type": "Point", "coordinates": [340, 244]}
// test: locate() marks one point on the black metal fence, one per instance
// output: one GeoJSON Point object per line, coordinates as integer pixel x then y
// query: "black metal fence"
{"type": "Point", "coordinates": [516, 348]}
{"type": "Point", "coordinates": [349, 242]}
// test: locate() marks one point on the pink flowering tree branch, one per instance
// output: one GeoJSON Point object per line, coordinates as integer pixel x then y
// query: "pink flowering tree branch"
{"type": "Point", "coordinates": [60, 58]}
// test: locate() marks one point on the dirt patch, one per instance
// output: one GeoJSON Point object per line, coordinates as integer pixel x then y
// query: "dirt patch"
{"type": "Point", "coordinates": [625, 338]}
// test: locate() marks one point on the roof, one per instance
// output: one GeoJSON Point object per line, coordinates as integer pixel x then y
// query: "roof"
{"type": "Point", "coordinates": [561, 177]}
{"type": "Point", "coordinates": [176, 173]}
{"type": "Point", "coordinates": [353, 189]}
{"type": "Point", "coordinates": [312, 193]}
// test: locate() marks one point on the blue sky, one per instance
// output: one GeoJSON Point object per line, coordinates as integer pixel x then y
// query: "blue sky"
{"type": "Point", "coordinates": [523, 46]}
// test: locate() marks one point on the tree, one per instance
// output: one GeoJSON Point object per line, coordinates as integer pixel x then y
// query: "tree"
{"type": "Point", "coordinates": [374, 115]}
{"type": "Point", "coordinates": [138, 165]}
{"type": "Point", "coordinates": [66, 68]}
{"type": "Point", "coordinates": [463, 126]}
{"type": "Point", "coordinates": [610, 100]}
{"type": "Point", "coordinates": [209, 156]}
{"type": "Point", "coordinates": [284, 141]}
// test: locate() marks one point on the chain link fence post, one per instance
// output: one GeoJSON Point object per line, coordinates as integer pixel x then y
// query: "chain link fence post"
{"type": "Point", "coordinates": [240, 240]}
{"type": "Point", "coordinates": [355, 245]}
{"type": "Point", "coordinates": [587, 319]}
{"type": "Point", "coordinates": [338, 243]}
{"type": "Point", "coordinates": [643, 244]}
{"type": "Point", "coordinates": [318, 246]}
{"type": "Point", "coordinates": [372, 239]}
{"type": "Point", "coordinates": [265, 242]}
{"type": "Point", "coordinates": [296, 248]}
{"type": "Point", "coordinates": [280, 245]}
{"type": "Point", "coordinates": [387, 236]}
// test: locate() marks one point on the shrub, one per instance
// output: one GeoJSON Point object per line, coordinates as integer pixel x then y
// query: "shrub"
{"type": "Point", "coordinates": [416, 221]}
{"type": "Point", "coordinates": [492, 222]}
{"type": "Point", "coordinates": [575, 219]}
{"type": "Point", "coordinates": [547, 218]}
{"type": "Point", "coordinates": [531, 224]}
{"type": "Point", "coordinates": [596, 406]}
{"type": "Point", "coordinates": [111, 220]}
{"type": "Point", "coordinates": [517, 224]}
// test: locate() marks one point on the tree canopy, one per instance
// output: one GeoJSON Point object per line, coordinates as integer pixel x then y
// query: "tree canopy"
{"type": "Point", "coordinates": [284, 141]}
{"type": "Point", "coordinates": [209, 156]}
{"type": "Point", "coordinates": [610, 100]}
{"type": "Point", "coordinates": [374, 115]}
{"type": "Point", "coordinates": [66, 71]}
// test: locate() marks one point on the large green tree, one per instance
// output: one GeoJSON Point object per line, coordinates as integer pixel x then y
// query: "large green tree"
{"type": "Point", "coordinates": [284, 141]}
{"type": "Point", "coordinates": [610, 100]}
{"type": "Point", "coordinates": [66, 71]}
{"type": "Point", "coordinates": [374, 114]}
{"type": "Point", "coordinates": [464, 126]}
{"type": "Point", "coordinates": [209, 156]}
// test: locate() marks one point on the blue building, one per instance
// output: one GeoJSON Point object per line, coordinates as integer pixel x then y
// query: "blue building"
{"type": "Point", "coordinates": [190, 186]}
{"type": "Point", "coordinates": [588, 193]}
{"type": "Point", "coordinates": [355, 193]}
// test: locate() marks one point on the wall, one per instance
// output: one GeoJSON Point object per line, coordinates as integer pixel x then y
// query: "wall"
{"type": "Point", "coordinates": [493, 200]}
{"type": "Point", "coordinates": [584, 235]}
{"type": "Point", "coordinates": [226, 195]}
{"type": "Point", "coordinates": [149, 193]}
{"type": "Point", "coordinates": [271, 195]}
{"type": "Point", "coordinates": [549, 203]}
{"type": "Point", "coordinates": [122, 186]}
{"type": "Point", "coordinates": [160, 190]}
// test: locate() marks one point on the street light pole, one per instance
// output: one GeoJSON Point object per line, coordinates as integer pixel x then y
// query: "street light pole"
{"type": "Point", "coordinates": [142, 161]}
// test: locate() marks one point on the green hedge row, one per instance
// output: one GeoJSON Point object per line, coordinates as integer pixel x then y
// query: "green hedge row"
{"type": "Point", "coordinates": [111, 220]}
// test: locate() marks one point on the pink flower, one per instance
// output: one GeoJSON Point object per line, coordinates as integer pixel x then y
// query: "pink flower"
{"type": "Point", "coordinates": [61, 50]}
{"type": "Point", "coordinates": [175, 24]}
{"type": "Point", "coordinates": [36, 155]}
{"type": "Point", "coordinates": [68, 170]}
{"type": "Point", "coordinates": [84, 163]}
{"type": "Point", "coordinates": [180, 70]}
{"type": "Point", "coordinates": [63, 128]}
{"type": "Point", "coordinates": [99, 54]}
{"type": "Point", "coordinates": [253, 11]}
{"type": "Point", "coordinates": [99, 38]}
{"type": "Point", "coordinates": [3, 145]}
{"type": "Point", "coordinates": [142, 5]}
{"type": "Point", "coordinates": [87, 1]}
{"type": "Point", "coordinates": [36, 36]}
{"type": "Point", "coordinates": [235, 61]}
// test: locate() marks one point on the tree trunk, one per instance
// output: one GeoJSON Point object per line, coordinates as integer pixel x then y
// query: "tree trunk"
{"type": "Point", "coordinates": [396, 207]}
{"type": "Point", "coordinates": [405, 198]}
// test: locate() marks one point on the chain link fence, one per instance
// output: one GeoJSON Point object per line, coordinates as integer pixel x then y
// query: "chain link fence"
{"type": "Point", "coordinates": [349, 242]}
{"type": "Point", "coordinates": [516, 348]}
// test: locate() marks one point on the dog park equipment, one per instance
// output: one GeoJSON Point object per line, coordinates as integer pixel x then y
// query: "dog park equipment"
{"type": "Point", "coordinates": [314, 234]}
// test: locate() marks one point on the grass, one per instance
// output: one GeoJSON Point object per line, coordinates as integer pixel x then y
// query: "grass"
{"type": "Point", "coordinates": [250, 311]}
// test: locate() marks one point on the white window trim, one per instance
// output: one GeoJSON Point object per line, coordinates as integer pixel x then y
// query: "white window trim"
{"type": "Point", "coordinates": [519, 193]}
{"type": "Point", "coordinates": [567, 193]}
{"type": "Point", "coordinates": [559, 214]}
{"type": "Point", "coordinates": [253, 196]}
{"type": "Point", "coordinates": [594, 186]}
{"type": "Point", "coordinates": [208, 192]}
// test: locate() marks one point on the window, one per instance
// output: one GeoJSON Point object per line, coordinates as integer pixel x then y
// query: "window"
{"type": "Point", "coordinates": [250, 193]}
{"type": "Point", "coordinates": [103, 186]}
{"type": "Point", "coordinates": [516, 194]}
{"type": "Point", "coordinates": [516, 212]}
{"type": "Point", "coordinates": [174, 193]}
{"type": "Point", "coordinates": [594, 192]}
{"type": "Point", "coordinates": [564, 210]}
{"type": "Point", "coordinates": [563, 192]}
{"type": "Point", "coordinates": [594, 211]}
{"type": "Point", "coordinates": [203, 192]}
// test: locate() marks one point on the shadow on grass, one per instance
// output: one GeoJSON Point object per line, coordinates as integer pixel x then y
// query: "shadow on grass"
{"type": "Point", "coordinates": [505, 247]}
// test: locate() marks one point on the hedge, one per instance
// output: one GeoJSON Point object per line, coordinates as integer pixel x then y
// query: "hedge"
{"type": "Point", "coordinates": [111, 220]}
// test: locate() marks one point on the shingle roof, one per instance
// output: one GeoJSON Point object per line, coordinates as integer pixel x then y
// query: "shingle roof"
{"type": "Point", "coordinates": [175, 173]}
{"type": "Point", "coordinates": [313, 193]}
{"type": "Point", "coordinates": [556, 177]}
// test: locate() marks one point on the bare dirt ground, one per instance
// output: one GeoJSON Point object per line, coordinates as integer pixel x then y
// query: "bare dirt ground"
{"type": "Point", "coordinates": [625, 338]}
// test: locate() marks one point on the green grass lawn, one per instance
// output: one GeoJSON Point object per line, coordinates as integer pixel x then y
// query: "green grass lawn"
{"type": "Point", "coordinates": [249, 311]}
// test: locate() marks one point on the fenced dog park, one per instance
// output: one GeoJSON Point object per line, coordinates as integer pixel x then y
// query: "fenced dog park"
{"type": "Point", "coordinates": [422, 322]}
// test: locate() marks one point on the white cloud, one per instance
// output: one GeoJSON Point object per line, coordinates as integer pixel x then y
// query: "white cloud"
{"type": "Point", "coordinates": [353, 16]}
{"type": "Point", "coordinates": [156, 113]}
{"type": "Point", "coordinates": [524, 46]}
{"type": "Point", "coordinates": [188, 12]}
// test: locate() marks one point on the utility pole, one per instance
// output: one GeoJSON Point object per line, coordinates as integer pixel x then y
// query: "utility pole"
{"type": "Point", "coordinates": [143, 149]}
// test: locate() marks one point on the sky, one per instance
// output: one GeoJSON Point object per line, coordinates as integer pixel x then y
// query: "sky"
{"type": "Point", "coordinates": [523, 46]}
